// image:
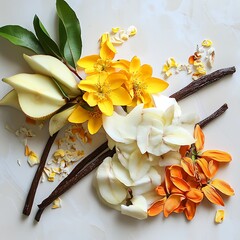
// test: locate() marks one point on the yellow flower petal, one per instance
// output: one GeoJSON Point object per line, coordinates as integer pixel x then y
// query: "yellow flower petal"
{"type": "Point", "coordinates": [155, 85]}
{"type": "Point", "coordinates": [134, 65]}
{"type": "Point", "coordinates": [219, 217]}
{"type": "Point", "coordinates": [106, 107]}
{"type": "Point", "coordinates": [79, 115]}
{"type": "Point", "coordinates": [116, 80]}
{"type": "Point", "coordinates": [94, 124]}
{"type": "Point", "coordinates": [145, 71]}
{"type": "Point", "coordinates": [223, 187]}
{"type": "Point", "coordinates": [88, 61]}
{"type": "Point", "coordinates": [120, 97]}
{"type": "Point", "coordinates": [106, 51]}
{"type": "Point", "coordinates": [91, 98]}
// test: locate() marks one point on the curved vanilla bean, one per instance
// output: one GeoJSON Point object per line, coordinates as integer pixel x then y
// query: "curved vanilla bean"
{"type": "Point", "coordinates": [32, 191]}
{"type": "Point", "coordinates": [203, 81]}
{"type": "Point", "coordinates": [213, 116]}
{"type": "Point", "coordinates": [72, 180]}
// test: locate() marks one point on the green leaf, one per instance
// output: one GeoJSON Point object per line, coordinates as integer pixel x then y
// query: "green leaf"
{"type": "Point", "coordinates": [20, 36]}
{"type": "Point", "coordinates": [49, 46]}
{"type": "Point", "coordinates": [69, 32]}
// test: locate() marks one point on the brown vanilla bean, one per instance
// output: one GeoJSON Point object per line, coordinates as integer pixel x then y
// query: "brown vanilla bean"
{"type": "Point", "coordinates": [202, 82]}
{"type": "Point", "coordinates": [32, 191]}
{"type": "Point", "coordinates": [213, 116]}
{"type": "Point", "coordinates": [72, 180]}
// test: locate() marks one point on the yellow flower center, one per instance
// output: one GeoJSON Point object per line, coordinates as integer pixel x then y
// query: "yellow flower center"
{"type": "Point", "coordinates": [102, 65]}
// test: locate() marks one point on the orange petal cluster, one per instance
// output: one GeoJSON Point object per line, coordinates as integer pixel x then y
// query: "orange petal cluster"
{"type": "Point", "coordinates": [186, 185]}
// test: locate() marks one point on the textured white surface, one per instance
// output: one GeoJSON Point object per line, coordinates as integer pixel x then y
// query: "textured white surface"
{"type": "Point", "coordinates": [165, 28]}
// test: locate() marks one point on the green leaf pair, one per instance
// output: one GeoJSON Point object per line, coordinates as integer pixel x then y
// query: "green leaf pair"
{"type": "Point", "coordinates": [70, 43]}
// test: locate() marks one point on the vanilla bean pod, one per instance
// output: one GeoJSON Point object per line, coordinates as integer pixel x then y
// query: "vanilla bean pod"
{"type": "Point", "coordinates": [203, 81]}
{"type": "Point", "coordinates": [32, 191]}
{"type": "Point", "coordinates": [213, 116]}
{"type": "Point", "coordinates": [72, 180]}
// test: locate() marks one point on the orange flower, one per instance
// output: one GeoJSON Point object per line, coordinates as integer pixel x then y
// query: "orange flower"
{"type": "Point", "coordinates": [185, 185]}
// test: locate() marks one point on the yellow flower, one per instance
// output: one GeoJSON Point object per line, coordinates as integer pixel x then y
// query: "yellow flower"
{"type": "Point", "coordinates": [94, 118]}
{"type": "Point", "coordinates": [141, 84]}
{"type": "Point", "coordinates": [105, 90]}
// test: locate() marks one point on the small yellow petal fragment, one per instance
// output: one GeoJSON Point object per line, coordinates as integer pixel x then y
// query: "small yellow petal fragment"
{"type": "Point", "coordinates": [172, 62]}
{"type": "Point", "coordinates": [207, 43]}
{"type": "Point", "coordinates": [33, 158]}
{"type": "Point", "coordinates": [56, 203]}
{"type": "Point", "coordinates": [51, 177]}
{"type": "Point", "coordinates": [219, 217]}
{"type": "Point", "coordinates": [115, 29]}
{"type": "Point", "coordinates": [59, 153]}
{"type": "Point", "coordinates": [132, 30]}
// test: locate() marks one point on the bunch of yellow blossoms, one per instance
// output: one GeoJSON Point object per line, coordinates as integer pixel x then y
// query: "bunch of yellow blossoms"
{"type": "Point", "coordinates": [112, 83]}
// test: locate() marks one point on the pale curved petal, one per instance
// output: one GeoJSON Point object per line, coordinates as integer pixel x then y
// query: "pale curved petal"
{"type": "Point", "coordinates": [123, 128]}
{"type": "Point", "coordinates": [110, 189]}
{"type": "Point", "coordinates": [120, 172]}
{"type": "Point", "coordinates": [178, 136]}
{"type": "Point", "coordinates": [54, 68]}
{"type": "Point", "coordinates": [59, 120]}
{"type": "Point", "coordinates": [137, 210]}
{"type": "Point", "coordinates": [170, 158]}
{"type": "Point", "coordinates": [138, 165]}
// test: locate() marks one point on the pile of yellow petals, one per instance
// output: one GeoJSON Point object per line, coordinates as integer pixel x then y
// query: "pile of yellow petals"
{"type": "Point", "coordinates": [110, 83]}
{"type": "Point", "coordinates": [186, 185]}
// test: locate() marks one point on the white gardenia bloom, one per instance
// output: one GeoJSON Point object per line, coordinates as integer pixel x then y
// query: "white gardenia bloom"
{"type": "Point", "coordinates": [156, 130]}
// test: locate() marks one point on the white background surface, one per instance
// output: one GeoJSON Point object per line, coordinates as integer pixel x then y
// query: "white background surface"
{"type": "Point", "coordinates": [165, 28]}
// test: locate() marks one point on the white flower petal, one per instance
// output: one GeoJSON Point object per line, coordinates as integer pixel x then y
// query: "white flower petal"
{"type": "Point", "coordinates": [138, 165]}
{"type": "Point", "coordinates": [123, 128]}
{"type": "Point", "coordinates": [109, 187]}
{"type": "Point", "coordinates": [178, 136]}
{"type": "Point", "coordinates": [138, 209]}
{"type": "Point", "coordinates": [120, 172]}
{"type": "Point", "coordinates": [170, 158]}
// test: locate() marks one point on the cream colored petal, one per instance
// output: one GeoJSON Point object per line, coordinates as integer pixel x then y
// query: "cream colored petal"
{"type": "Point", "coordinates": [137, 210]}
{"type": "Point", "coordinates": [11, 99]}
{"type": "Point", "coordinates": [110, 188]}
{"type": "Point", "coordinates": [59, 120]}
{"type": "Point", "coordinates": [53, 67]}
{"type": "Point", "coordinates": [38, 96]}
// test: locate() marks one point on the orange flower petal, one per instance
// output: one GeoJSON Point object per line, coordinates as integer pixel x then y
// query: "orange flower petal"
{"type": "Point", "coordinates": [172, 203]}
{"type": "Point", "coordinates": [157, 207]}
{"type": "Point", "coordinates": [203, 164]}
{"type": "Point", "coordinates": [160, 190]}
{"type": "Point", "coordinates": [183, 150]}
{"type": "Point", "coordinates": [195, 195]}
{"type": "Point", "coordinates": [190, 210]}
{"type": "Point", "coordinates": [176, 171]}
{"type": "Point", "coordinates": [200, 138]}
{"type": "Point", "coordinates": [216, 155]}
{"type": "Point", "coordinates": [223, 187]}
{"type": "Point", "coordinates": [212, 195]}
{"type": "Point", "coordinates": [187, 165]}
{"type": "Point", "coordinates": [180, 183]}
{"type": "Point", "coordinates": [213, 167]}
